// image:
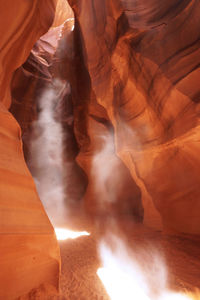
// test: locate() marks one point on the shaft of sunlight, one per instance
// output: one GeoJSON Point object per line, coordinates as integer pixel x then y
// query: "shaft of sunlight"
{"type": "Point", "coordinates": [64, 234]}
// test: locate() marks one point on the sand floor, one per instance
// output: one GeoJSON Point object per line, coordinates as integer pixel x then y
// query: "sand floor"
{"type": "Point", "coordinates": [80, 259]}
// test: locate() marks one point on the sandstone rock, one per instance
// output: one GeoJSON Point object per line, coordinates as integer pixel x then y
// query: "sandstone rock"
{"type": "Point", "coordinates": [133, 72]}
{"type": "Point", "coordinates": [142, 59]}
{"type": "Point", "coordinates": [48, 68]}
{"type": "Point", "coordinates": [28, 247]}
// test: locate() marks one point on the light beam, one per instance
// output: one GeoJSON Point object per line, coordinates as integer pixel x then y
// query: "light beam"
{"type": "Point", "coordinates": [64, 234]}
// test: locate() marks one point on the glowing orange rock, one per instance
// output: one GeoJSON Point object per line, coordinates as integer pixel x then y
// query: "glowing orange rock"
{"type": "Point", "coordinates": [142, 59]}
{"type": "Point", "coordinates": [134, 76]}
{"type": "Point", "coordinates": [28, 246]}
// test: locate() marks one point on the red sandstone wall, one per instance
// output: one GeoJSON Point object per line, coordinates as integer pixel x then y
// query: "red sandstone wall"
{"type": "Point", "coordinates": [134, 78]}
{"type": "Point", "coordinates": [143, 63]}
{"type": "Point", "coordinates": [79, 111]}
{"type": "Point", "coordinates": [28, 247]}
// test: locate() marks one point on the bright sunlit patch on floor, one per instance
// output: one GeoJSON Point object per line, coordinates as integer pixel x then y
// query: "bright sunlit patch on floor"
{"type": "Point", "coordinates": [124, 277]}
{"type": "Point", "coordinates": [120, 285]}
{"type": "Point", "coordinates": [174, 296]}
{"type": "Point", "coordinates": [64, 234]}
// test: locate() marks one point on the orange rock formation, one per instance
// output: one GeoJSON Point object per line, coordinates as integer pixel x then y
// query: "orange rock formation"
{"type": "Point", "coordinates": [133, 70]}
{"type": "Point", "coordinates": [142, 59]}
{"type": "Point", "coordinates": [28, 247]}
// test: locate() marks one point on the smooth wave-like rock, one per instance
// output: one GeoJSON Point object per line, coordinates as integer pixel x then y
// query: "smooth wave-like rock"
{"type": "Point", "coordinates": [133, 70]}
{"type": "Point", "coordinates": [28, 246]}
{"type": "Point", "coordinates": [142, 59]}
{"type": "Point", "coordinates": [119, 195]}
{"type": "Point", "coordinates": [129, 110]}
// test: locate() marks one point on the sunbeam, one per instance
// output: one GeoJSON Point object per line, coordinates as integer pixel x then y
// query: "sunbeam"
{"type": "Point", "coordinates": [64, 234]}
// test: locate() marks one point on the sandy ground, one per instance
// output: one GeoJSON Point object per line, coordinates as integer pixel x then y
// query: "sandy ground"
{"type": "Point", "coordinates": [80, 259]}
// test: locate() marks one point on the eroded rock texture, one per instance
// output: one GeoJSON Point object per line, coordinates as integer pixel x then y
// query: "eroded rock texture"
{"type": "Point", "coordinates": [46, 102]}
{"type": "Point", "coordinates": [28, 247]}
{"type": "Point", "coordinates": [132, 69]}
{"type": "Point", "coordinates": [111, 189]}
{"type": "Point", "coordinates": [142, 62]}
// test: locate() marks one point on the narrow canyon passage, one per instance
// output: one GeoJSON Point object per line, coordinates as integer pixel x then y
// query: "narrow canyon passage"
{"type": "Point", "coordinates": [141, 262]}
{"type": "Point", "coordinates": [120, 258]}
{"type": "Point", "coordinates": [99, 143]}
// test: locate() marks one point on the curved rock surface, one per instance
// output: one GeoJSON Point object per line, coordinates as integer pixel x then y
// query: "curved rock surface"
{"type": "Point", "coordinates": [133, 68]}
{"type": "Point", "coordinates": [119, 194]}
{"type": "Point", "coordinates": [142, 60]}
{"type": "Point", "coordinates": [29, 251]}
{"type": "Point", "coordinates": [132, 103]}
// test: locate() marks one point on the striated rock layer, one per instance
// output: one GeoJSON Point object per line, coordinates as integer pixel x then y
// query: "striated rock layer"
{"type": "Point", "coordinates": [142, 63]}
{"type": "Point", "coordinates": [29, 251]}
{"type": "Point", "coordinates": [81, 117]}
{"type": "Point", "coordinates": [133, 71]}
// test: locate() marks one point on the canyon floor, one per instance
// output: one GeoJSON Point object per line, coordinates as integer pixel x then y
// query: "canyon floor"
{"type": "Point", "coordinates": [80, 258]}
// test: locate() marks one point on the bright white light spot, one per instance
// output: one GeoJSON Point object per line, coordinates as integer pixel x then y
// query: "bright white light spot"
{"type": "Point", "coordinates": [120, 285]}
{"type": "Point", "coordinates": [124, 276]}
{"type": "Point", "coordinates": [174, 296]}
{"type": "Point", "coordinates": [64, 234]}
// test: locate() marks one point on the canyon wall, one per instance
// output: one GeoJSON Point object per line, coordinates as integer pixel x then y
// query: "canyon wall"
{"type": "Point", "coordinates": [142, 63]}
{"type": "Point", "coordinates": [132, 68]}
{"type": "Point", "coordinates": [129, 110]}
{"type": "Point", "coordinates": [29, 251]}
{"type": "Point", "coordinates": [77, 111]}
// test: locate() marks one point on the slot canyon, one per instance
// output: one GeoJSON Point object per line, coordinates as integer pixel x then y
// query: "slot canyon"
{"type": "Point", "coordinates": [99, 141]}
